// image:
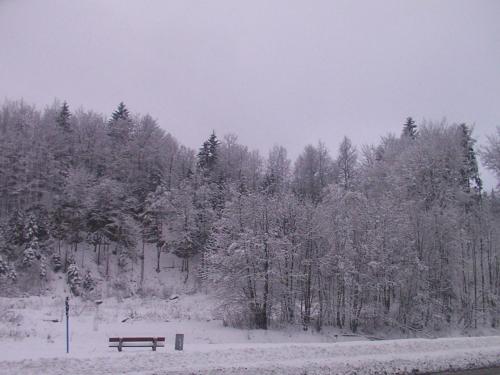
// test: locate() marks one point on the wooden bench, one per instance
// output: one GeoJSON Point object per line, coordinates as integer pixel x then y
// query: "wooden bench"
{"type": "Point", "coordinates": [136, 342]}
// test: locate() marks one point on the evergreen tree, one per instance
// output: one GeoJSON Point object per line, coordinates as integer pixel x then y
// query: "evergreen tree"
{"type": "Point", "coordinates": [63, 118]}
{"type": "Point", "coordinates": [410, 128]}
{"type": "Point", "coordinates": [34, 234]}
{"type": "Point", "coordinates": [62, 147]}
{"type": "Point", "coordinates": [208, 154]}
{"type": "Point", "coordinates": [120, 132]}
{"type": "Point", "coordinates": [14, 233]}
{"type": "Point", "coordinates": [121, 113]}
{"type": "Point", "coordinates": [120, 124]}
{"type": "Point", "coordinates": [470, 169]}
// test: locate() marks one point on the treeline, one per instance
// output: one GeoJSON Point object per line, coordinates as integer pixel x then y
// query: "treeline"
{"type": "Point", "coordinates": [399, 234]}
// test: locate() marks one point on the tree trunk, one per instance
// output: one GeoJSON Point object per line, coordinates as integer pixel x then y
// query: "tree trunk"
{"type": "Point", "coordinates": [339, 303]}
{"type": "Point", "coordinates": [266, 288]}
{"type": "Point", "coordinates": [106, 249]}
{"type": "Point", "coordinates": [306, 318]}
{"type": "Point", "coordinates": [142, 262]}
{"type": "Point", "coordinates": [66, 259]}
{"type": "Point", "coordinates": [319, 321]}
{"type": "Point", "coordinates": [158, 253]}
{"type": "Point", "coordinates": [99, 254]}
{"type": "Point", "coordinates": [474, 263]}
{"type": "Point", "coordinates": [483, 291]}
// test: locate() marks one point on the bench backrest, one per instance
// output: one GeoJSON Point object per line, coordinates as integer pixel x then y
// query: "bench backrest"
{"type": "Point", "coordinates": [136, 339]}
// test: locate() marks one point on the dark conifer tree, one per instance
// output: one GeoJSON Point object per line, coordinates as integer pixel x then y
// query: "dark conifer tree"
{"type": "Point", "coordinates": [63, 150]}
{"type": "Point", "coordinates": [120, 125]}
{"type": "Point", "coordinates": [470, 169]}
{"type": "Point", "coordinates": [120, 131]}
{"type": "Point", "coordinates": [63, 118]}
{"type": "Point", "coordinates": [121, 113]}
{"type": "Point", "coordinates": [207, 157]}
{"type": "Point", "coordinates": [410, 128]}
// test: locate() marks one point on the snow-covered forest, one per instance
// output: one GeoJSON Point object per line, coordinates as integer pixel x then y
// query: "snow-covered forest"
{"type": "Point", "coordinates": [399, 235]}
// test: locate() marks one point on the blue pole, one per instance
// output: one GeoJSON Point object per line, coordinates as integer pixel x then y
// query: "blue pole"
{"type": "Point", "coordinates": [67, 324]}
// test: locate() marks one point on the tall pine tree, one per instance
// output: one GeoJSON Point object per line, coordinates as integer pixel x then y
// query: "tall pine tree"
{"type": "Point", "coordinates": [207, 157]}
{"type": "Point", "coordinates": [121, 113]}
{"type": "Point", "coordinates": [410, 128]}
{"type": "Point", "coordinates": [470, 169]}
{"type": "Point", "coordinates": [63, 117]}
{"type": "Point", "coordinates": [120, 125]}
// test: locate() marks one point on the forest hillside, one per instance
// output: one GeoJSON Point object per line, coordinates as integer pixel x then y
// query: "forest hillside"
{"type": "Point", "coordinates": [396, 235]}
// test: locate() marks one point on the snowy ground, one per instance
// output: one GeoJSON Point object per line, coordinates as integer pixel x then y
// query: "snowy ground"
{"type": "Point", "coordinates": [32, 344]}
{"type": "Point", "coordinates": [391, 357]}
{"type": "Point", "coordinates": [27, 330]}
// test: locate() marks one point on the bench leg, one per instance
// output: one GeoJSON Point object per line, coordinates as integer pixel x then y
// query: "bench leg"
{"type": "Point", "coordinates": [154, 346]}
{"type": "Point", "coordinates": [120, 346]}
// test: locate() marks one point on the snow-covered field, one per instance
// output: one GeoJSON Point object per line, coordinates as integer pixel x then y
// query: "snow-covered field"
{"type": "Point", "coordinates": [391, 357]}
{"type": "Point", "coordinates": [31, 343]}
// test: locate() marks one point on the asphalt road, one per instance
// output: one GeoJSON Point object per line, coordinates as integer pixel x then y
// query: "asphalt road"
{"type": "Point", "coordinates": [484, 371]}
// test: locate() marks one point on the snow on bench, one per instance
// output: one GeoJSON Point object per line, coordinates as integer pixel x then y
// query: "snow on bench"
{"type": "Point", "coordinates": [136, 342]}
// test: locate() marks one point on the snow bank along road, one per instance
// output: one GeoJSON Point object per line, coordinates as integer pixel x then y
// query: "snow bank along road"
{"type": "Point", "coordinates": [483, 371]}
{"type": "Point", "coordinates": [382, 357]}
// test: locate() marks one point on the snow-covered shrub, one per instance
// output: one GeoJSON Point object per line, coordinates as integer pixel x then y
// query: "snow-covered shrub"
{"type": "Point", "coordinates": [56, 262]}
{"type": "Point", "coordinates": [4, 267]}
{"type": "Point", "coordinates": [236, 316]}
{"type": "Point", "coordinates": [166, 291]}
{"type": "Point", "coordinates": [29, 256]}
{"type": "Point", "coordinates": [12, 275]}
{"type": "Point", "coordinates": [11, 323]}
{"type": "Point", "coordinates": [121, 288]}
{"type": "Point", "coordinates": [123, 258]}
{"type": "Point", "coordinates": [132, 314]}
{"type": "Point", "coordinates": [43, 267]}
{"type": "Point", "coordinates": [7, 273]}
{"type": "Point", "coordinates": [71, 259]}
{"type": "Point", "coordinates": [74, 279]}
{"type": "Point", "coordinates": [88, 282]}
{"type": "Point", "coordinates": [10, 317]}
{"type": "Point", "coordinates": [144, 291]}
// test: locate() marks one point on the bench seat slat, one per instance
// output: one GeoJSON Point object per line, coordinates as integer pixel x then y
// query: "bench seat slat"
{"type": "Point", "coordinates": [135, 344]}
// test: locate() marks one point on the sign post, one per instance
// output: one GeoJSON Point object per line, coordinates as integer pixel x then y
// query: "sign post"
{"type": "Point", "coordinates": [67, 324]}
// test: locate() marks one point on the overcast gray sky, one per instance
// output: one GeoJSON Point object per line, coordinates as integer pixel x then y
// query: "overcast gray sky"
{"type": "Point", "coordinates": [273, 72]}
